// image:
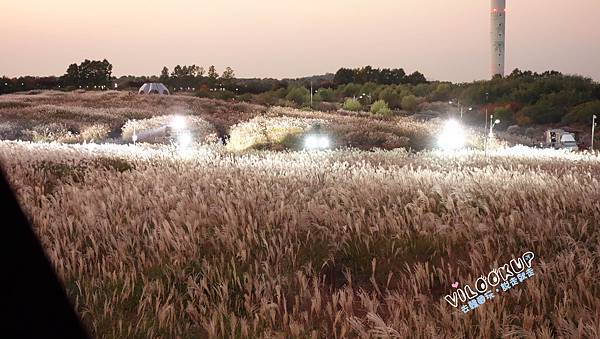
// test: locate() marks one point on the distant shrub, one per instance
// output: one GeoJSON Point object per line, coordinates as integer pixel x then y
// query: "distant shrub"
{"type": "Point", "coordinates": [350, 90]}
{"type": "Point", "coordinates": [95, 133]}
{"type": "Point", "coordinates": [390, 96]}
{"type": "Point", "coordinates": [69, 138]}
{"type": "Point", "coordinates": [441, 92]}
{"type": "Point", "coordinates": [543, 113]}
{"type": "Point", "coordinates": [324, 94]}
{"type": "Point", "coordinates": [522, 119]}
{"type": "Point", "coordinates": [31, 135]}
{"type": "Point", "coordinates": [369, 139]}
{"type": "Point", "coordinates": [299, 95]}
{"type": "Point", "coordinates": [326, 106]}
{"type": "Point", "coordinates": [203, 93]}
{"type": "Point", "coordinates": [583, 113]}
{"type": "Point", "coordinates": [505, 115]}
{"type": "Point", "coordinates": [409, 103]}
{"type": "Point", "coordinates": [224, 95]}
{"type": "Point", "coordinates": [380, 107]}
{"type": "Point", "coordinates": [352, 105]}
{"type": "Point", "coordinates": [264, 132]}
{"type": "Point", "coordinates": [245, 97]}
{"type": "Point", "coordinates": [52, 132]}
{"type": "Point", "coordinates": [267, 98]}
{"type": "Point", "coordinates": [153, 130]}
{"type": "Point", "coordinates": [10, 131]}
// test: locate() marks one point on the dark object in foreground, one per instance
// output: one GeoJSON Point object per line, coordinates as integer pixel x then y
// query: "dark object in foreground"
{"type": "Point", "coordinates": [33, 299]}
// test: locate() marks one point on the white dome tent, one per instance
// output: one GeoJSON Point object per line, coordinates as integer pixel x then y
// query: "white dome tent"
{"type": "Point", "coordinates": [154, 88]}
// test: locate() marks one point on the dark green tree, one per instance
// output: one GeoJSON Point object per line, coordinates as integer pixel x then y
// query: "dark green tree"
{"type": "Point", "coordinates": [343, 76]}
{"type": "Point", "coordinates": [89, 74]}
{"type": "Point", "coordinates": [71, 78]}
{"type": "Point", "coordinates": [409, 103]}
{"type": "Point", "coordinates": [164, 75]}
{"type": "Point", "coordinates": [212, 72]}
{"type": "Point", "coordinates": [398, 76]}
{"type": "Point", "coordinates": [228, 74]}
{"type": "Point", "coordinates": [416, 78]}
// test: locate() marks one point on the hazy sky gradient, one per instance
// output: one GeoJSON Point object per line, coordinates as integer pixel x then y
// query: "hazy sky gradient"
{"type": "Point", "coordinates": [444, 39]}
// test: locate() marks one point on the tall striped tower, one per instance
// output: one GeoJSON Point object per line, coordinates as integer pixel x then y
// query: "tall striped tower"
{"type": "Point", "coordinates": [498, 37]}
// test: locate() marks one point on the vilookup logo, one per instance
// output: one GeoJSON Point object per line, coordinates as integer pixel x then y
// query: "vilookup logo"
{"type": "Point", "coordinates": [498, 280]}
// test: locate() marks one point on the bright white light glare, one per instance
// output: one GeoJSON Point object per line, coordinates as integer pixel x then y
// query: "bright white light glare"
{"type": "Point", "coordinates": [178, 123]}
{"type": "Point", "coordinates": [452, 136]}
{"type": "Point", "coordinates": [316, 142]}
{"type": "Point", "coordinates": [184, 139]}
{"type": "Point", "coordinates": [134, 137]}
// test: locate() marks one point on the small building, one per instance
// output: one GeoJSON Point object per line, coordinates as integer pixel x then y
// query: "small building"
{"type": "Point", "coordinates": [154, 88]}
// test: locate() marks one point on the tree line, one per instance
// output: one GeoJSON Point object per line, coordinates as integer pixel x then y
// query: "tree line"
{"type": "Point", "coordinates": [526, 97]}
{"type": "Point", "coordinates": [522, 97]}
{"type": "Point", "coordinates": [385, 76]}
{"type": "Point", "coordinates": [89, 74]}
{"type": "Point", "coordinates": [97, 74]}
{"type": "Point", "coordinates": [195, 76]}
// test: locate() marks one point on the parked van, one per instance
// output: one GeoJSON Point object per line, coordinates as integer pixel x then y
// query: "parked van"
{"type": "Point", "coordinates": [559, 139]}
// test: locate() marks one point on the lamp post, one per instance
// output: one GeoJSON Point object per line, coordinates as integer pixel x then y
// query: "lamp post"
{"type": "Point", "coordinates": [460, 107]}
{"type": "Point", "coordinates": [451, 102]}
{"type": "Point", "coordinates": [461, 112]}
{"type": "Point", "coordinates": [485, 129]}
{"type": "Point", "coordinates": [311, 94]}
{"type": "Point", "coordinates": [134, 137]}
{"type": "Point", "coordinates": [593, 130]}
{"type": "Point", "coordinates": [492, 124]}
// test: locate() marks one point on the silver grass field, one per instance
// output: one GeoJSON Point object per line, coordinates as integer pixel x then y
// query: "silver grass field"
{"type": "Point", "coordinates": [152, 241]}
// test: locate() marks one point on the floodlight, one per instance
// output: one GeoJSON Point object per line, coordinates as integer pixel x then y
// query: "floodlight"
{"type": "Point", "coordinates": [184, 139]}
{"type": "Point", "coordinates": [452, 136]}
{"type": "Point", "coordinates": [316, 142]}
{"type": "Point", "coordinates": [324, 142]}
{"type": "Point", "coordinates": [178, 122]}
{"type": "Point", "coordinates": [497, 121]}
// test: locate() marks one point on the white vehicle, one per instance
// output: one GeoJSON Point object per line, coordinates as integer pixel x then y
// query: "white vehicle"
{"type": "Point", "coordinates": [559, 139]}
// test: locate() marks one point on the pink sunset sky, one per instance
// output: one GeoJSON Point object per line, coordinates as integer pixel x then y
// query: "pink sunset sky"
{"type": "Point", "coordinates": [445, 40]}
